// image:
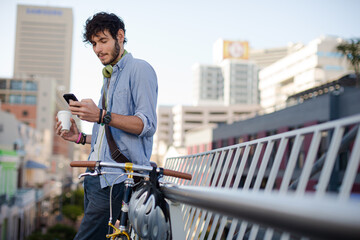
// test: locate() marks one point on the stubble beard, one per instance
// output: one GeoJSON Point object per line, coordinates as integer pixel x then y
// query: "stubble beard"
{"type": "Point", "coordinates": [114, 54]}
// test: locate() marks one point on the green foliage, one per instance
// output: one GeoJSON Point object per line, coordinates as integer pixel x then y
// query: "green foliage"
{"type": "Point", "coordinates": [57, 232]}
{"type": "Point", "coordinates": [62, 231]}
{"type": "Point", "coordinates": [72, 212]}
{"type": "Point", "coordinates": [69, 198]}
{"type": "Point", "coordinates": [74, 197]}
{"type": "Point", "coordinates": [351, 49]}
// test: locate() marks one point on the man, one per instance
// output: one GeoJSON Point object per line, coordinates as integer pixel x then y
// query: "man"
{"type": "Point", "coordinates": [130, 97]}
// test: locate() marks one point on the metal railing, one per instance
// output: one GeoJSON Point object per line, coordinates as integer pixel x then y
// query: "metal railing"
{"type": "Point", "coordinates": [264, 185]}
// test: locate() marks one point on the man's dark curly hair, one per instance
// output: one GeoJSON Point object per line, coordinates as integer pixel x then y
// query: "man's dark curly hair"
{"type": "Point", "coordinates": [103, 21]}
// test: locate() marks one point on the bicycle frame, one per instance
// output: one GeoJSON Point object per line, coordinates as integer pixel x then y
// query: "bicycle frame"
{"type": "Point", "coordinates": [129, 184]}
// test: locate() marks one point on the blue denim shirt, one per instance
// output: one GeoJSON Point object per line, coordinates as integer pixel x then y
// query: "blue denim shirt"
{"type": "Point", "coordinates": [133, 91]}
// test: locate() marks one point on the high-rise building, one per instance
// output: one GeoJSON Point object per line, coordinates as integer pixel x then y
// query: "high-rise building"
{"type": "Point", "coordinates": [240, 82]}
{"type": "Point", "coordinates": [208, 87]}
{"type": "Point", "coordinates": [231, 80]}
{"type": "Point", "coordinates": [44, 43]}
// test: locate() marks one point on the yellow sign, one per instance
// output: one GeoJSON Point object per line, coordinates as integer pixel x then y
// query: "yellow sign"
{"type": "Point", "coordinates": [236, 50]}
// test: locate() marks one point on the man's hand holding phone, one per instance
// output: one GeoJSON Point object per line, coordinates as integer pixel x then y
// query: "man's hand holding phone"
{"type": "Point", "coordinates": [85, 109]}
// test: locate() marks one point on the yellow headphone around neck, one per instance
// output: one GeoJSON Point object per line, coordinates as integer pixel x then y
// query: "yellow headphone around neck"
{"type": "Point", "coordinates": [107, 71]}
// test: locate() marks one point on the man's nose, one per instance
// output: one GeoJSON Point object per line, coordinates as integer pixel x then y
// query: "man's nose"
{"type": "Point", "coordinates": [97, 49]}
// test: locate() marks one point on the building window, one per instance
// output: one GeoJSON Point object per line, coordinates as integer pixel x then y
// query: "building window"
{"type": "Point", "coordinates": [2, 98]}
{"type": "Point", "coordinates": [193, 122]}
{"type": "Point", "coordinates": [30, 100]}
{"type": "Point", "coordinates": [15, 99]}
{"type": "Point", "coordinates": [3, 84]}
{"type": "Point", "coordinates": [25, 113]}
{"type": "Point", "coordinates": [193, 113]}
{"type": "Point", "coordinates": [31, 86]}
{"type": "Point", "coordinates": [217, 113]}
{"type": "Point", "coordinates": [15, 84]}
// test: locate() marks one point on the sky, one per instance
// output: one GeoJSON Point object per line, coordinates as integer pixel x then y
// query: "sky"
{"type": "Point", "coordinates": [174, 35]}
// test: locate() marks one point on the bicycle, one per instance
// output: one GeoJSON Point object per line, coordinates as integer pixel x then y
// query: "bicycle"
{"type": "Point", "coordinates": [146, 198]}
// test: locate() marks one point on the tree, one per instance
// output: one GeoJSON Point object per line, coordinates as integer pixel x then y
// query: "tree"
{"type": "Point", "coordinates": [57, 232]}
{"type": "Point", "coordinates": [72, 212]}
{"type": "Point", "coordinates": [351, 49]}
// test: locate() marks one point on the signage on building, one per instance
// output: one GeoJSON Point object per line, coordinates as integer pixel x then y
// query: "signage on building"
{"type": "Point", "coordinates": [43, 11]}
{"type": "Point", "coordinates": [235, 50]}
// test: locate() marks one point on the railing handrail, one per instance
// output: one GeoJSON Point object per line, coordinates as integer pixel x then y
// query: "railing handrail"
{"type": "Point", "coordinates": [301, 131]}
{"type": "Point", "coordinates": [293, 164]}
{"type": "Point", "coordinates": [324, 218]}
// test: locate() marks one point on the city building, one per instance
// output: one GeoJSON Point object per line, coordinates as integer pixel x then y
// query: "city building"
{"type": "Point", "coordinates": [231, 80]}
{"type": "Point", "coordinates": [208, 85]}
{"type": "Point", "coordinates": [165, 125]}
{"type": "Point", "coordinates": [186, 118]}
{"type": "Point", "coordinates": [24, 153]}
{"type": "Point", "coordinates": [267, 56]}
{"type": "Point", "coordinates": [44, 43]}
{"type": "Point", "coordinates": [42, 68]}
{"type": "Point", "coordinates": [163, 137]}
{"type": "Point", "coordinates": [330, 101]}
{"type": "Point", "coordinates": [335, 100]}
{"type": "Point", "coordinates": [311, 65]}
{"type": "Point", "coordinates": [34, 163]}
{"type": "Point", "coordinates": [31, 100]}
{"type": "Point", "coordinates": [175, 121]}
{"type": "Point", "coordinates": [240, 82]}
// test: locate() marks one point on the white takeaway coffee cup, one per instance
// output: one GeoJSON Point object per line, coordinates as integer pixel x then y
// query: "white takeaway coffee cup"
{"type": "Point", "coordinates": [64, 118]}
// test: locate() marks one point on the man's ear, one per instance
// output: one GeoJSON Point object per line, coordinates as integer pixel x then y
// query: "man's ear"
{"type": "Point", "coordinates": [121, 35]}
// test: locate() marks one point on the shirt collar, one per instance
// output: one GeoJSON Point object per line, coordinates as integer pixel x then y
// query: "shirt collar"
{"type": "Point", "coordinates": [124, 59]}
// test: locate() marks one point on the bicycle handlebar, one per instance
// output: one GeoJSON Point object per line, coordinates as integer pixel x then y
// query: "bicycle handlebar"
{"type": "Point", "coordinates": [172, 173]}
{"type": "Point", "coordinates": [83, 164]}
{"type": "Point", "coordinates": [167, 172]}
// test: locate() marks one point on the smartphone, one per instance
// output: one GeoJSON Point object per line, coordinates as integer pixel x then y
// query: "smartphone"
{"type": "Point", "coordinates": [69, 96]}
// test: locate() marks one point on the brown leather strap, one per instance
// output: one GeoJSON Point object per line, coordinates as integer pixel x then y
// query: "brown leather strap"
{"type": "Point", "coordinates": [115, 152]}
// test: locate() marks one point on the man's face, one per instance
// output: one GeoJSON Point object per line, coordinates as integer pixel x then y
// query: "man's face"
{"type": "Point", "coordinates": [105, 47]}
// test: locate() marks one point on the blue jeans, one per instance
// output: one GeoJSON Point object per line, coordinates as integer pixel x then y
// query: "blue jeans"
{"type": "Point", "coordinates": [94, 224]}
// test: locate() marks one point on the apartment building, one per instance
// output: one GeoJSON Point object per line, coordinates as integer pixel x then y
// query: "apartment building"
{"type": "Point", "coordinates": [314, 64]}
{"type": "Point", "coordinates": [31, 100]}
{"type": "Point", "coordinates": [267, 56]}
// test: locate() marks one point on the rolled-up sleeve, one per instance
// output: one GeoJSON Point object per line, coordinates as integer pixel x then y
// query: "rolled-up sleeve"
{"type": "Point", "coordinates": [144, 90]}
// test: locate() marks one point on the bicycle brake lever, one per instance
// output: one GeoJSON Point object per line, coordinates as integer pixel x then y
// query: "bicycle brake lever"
{"type": "Point", "coordinates": [88, 174]}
